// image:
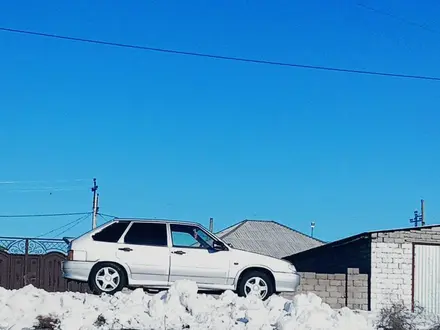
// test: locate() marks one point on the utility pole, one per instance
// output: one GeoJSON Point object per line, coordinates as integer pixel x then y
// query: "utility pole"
{"type": "Point", "coordinates": [95, 203]}
{"type": "Point", "coordinates": [419, 218]}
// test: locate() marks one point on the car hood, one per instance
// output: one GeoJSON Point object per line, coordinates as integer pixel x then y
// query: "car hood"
{"type": "Point", "coordinates": [255, 259]}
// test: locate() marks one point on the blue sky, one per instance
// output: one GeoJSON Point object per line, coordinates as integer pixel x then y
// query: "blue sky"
{"type": "Point", "coordinates": [180, 137]}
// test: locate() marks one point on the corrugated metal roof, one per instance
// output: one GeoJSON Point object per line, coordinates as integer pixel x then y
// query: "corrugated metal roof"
{"type": "Point", "coordinates": [366, 234]}
{"type": "Point", "coordinates": [267, 237]}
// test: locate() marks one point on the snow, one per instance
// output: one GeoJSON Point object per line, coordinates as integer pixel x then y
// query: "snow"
{"type": "Point", "coordinates": [181, 307]}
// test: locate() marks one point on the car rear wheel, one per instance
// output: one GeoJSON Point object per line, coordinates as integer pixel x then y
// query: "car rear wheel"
{"type": "Point", "coordinates": [256, 283]}
{"type": "Point", "coordinates": [107, 278]}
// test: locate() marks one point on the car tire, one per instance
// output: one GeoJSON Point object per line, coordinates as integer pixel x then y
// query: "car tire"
{"type": "Point", "coordinates": [107, 277]}
{"type": "Point", "coordinates": [251, 280]}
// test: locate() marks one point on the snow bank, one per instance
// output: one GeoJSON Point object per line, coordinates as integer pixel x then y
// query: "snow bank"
{"type": "Point", "coordinates": [179, 308]}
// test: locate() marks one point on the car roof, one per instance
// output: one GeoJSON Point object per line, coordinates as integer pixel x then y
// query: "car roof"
{"type": "Point", "coordinates": [177, 222]}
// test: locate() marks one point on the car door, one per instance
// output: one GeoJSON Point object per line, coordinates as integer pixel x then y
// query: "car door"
{"type": "Point", "coordinates": [193, 257]}
{"type": "Point", "coordinates": [144, 248]}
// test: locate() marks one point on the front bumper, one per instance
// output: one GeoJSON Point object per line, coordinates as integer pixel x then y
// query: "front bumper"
{"type": "Point", "coordinates": [76, 270]}
{"type": "Point", "coordinates": [287, 282]}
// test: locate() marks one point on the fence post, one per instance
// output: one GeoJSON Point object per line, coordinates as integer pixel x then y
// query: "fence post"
{"type": "Point", "coordinates": [26, 253]}
{"type": "Point", "coordinates": [346, 287]}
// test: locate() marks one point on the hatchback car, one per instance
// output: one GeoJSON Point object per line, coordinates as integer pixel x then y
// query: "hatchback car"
{"type": "Point", "coordinates": [154, 253]}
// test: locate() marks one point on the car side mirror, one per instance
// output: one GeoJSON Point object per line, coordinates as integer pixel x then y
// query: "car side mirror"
{"type": "Point", "coordinates": [217, 245]}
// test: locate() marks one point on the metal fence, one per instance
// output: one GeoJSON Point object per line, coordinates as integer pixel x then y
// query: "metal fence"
{"type": "Point", "coordinates": [35, 261]}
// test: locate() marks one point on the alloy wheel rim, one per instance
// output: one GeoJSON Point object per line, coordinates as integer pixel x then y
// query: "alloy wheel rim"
{"type": "Point", "coordinates": [256, 286]}
{"type": "Point", "coordinates": [107, 279]}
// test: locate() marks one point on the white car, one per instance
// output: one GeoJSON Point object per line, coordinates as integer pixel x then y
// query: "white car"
{"type": "Point", "coordinates": [155, 253]}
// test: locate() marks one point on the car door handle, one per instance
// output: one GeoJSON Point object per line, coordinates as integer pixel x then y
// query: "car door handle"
{"type": "Point", "coordinates": [178, 252]}
{"type": "Point", "coordinates": [127, 249]}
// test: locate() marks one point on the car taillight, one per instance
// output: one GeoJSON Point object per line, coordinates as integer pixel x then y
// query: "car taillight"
{"type": "Point", "coordinates": [70, 255]}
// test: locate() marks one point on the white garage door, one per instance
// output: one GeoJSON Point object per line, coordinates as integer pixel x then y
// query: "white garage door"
{"type": "Point", "coordinates": [427, 277]}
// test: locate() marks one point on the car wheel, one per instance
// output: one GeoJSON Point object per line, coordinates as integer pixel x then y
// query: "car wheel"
{"type": "Point", "coordinates": [107, 278]}
{"type": "Point", "coordinates": [256, 283]}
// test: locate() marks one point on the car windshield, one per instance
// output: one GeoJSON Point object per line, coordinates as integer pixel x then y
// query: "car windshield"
{"type": "Point", "coordinates": [203, 238]}
{"type": "Point", "coordinates": [191, 236]}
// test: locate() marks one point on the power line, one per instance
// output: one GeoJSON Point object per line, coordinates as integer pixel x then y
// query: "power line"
{"type": "Point", "coordinates": [76, 221]}
{"type": "Point", "coordinates": [42, 215]}
{"type": "Point", "coordinates": [107, 215]}
{"type": "Point", "coordinates": [385, 13]}
{"type": "Point", "coordinates": [104, 218]}
{"type": "Point", "coordinates": [73, 225]}
{"type": "Point", "coordinates": [42, 190]}
{"type": "Point", "coordinates": [221, 57]}
{"type": "Point", "coordinates": [37, 186]}
{"type": "Point", "coordinates": [15, 182]}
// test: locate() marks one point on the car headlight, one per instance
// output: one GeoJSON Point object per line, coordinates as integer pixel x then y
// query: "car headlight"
{"type": "Point", "coordinates": [292, 268]}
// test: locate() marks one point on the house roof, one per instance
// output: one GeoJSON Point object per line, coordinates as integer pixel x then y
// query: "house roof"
{"type": "Point", "coordinates": [366, 234]}
{"type": "Point", "coordinates": [268, 238]}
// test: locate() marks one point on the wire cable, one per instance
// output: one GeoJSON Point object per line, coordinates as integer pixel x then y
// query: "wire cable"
{"type": "Point", "coordinates": [104, 218]}
{"type": "Point", "coordinates": [42, 215]}
{"type": "Point", "coordinates": [15, 182]}
{"type": "Point", "coordinates": [73, 225]}
{"type": "Point", "coordinates": [76, 221]}
{"type": "Point", "coordinates": [221, 57]}
{"type": "Point", "coordinates": [381, 12]}
{"type": "Point", "coordinates": [107, 215]}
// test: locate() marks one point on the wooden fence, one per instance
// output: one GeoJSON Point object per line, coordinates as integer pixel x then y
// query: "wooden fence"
{"type": "Point", "coordinates": [35, 261]}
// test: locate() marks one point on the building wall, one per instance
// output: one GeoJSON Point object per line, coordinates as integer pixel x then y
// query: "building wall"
{"type": "Point", "coordinates": [392, 264]}
{"type": "Point", "coordinates": [335, 258]}
{"type": "Point", "coordinates": [338, 290]}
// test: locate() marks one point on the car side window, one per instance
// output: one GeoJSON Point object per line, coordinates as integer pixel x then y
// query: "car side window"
{"type": "Point", "coordinates": [111, 233]}
{"type": "Point", "coordinates": [190, 237]}
{"type": "Point", "coordinates": [151, 234]}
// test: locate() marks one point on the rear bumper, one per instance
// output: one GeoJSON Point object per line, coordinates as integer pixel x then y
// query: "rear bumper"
{"type": "Point", "coordinates": [286, 282]}
{"type": "Point", "coordinates": [76, 270]}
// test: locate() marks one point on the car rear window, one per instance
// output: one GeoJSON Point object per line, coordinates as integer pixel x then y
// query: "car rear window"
{"type": "Point", "coordinates": [111, 233]}
{"type": "Point", "coordinates": [152, 234]}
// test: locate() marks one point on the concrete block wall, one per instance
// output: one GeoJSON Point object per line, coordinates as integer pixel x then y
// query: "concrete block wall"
{"type": "Point", "coordinates": [392, 262]}
{"type": "Point", "coordinates": [357, 289]}
{"type": "Point", "coordinates": [337, 290]}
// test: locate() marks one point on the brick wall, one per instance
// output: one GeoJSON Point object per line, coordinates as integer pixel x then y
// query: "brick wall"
{"type": "Point", "coordinates": [392, 262]}
{"type": "Point", "coordinates": [337, 290]}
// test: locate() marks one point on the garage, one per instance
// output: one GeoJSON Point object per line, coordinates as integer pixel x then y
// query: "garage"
{"type": "Point", "coordinates": [403, 265]}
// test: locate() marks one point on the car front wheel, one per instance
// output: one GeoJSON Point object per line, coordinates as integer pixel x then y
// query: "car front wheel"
{"type": "Point", "coordinates": [256, 283]}
{"type": "Point", "coordinates": [107, 278]}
